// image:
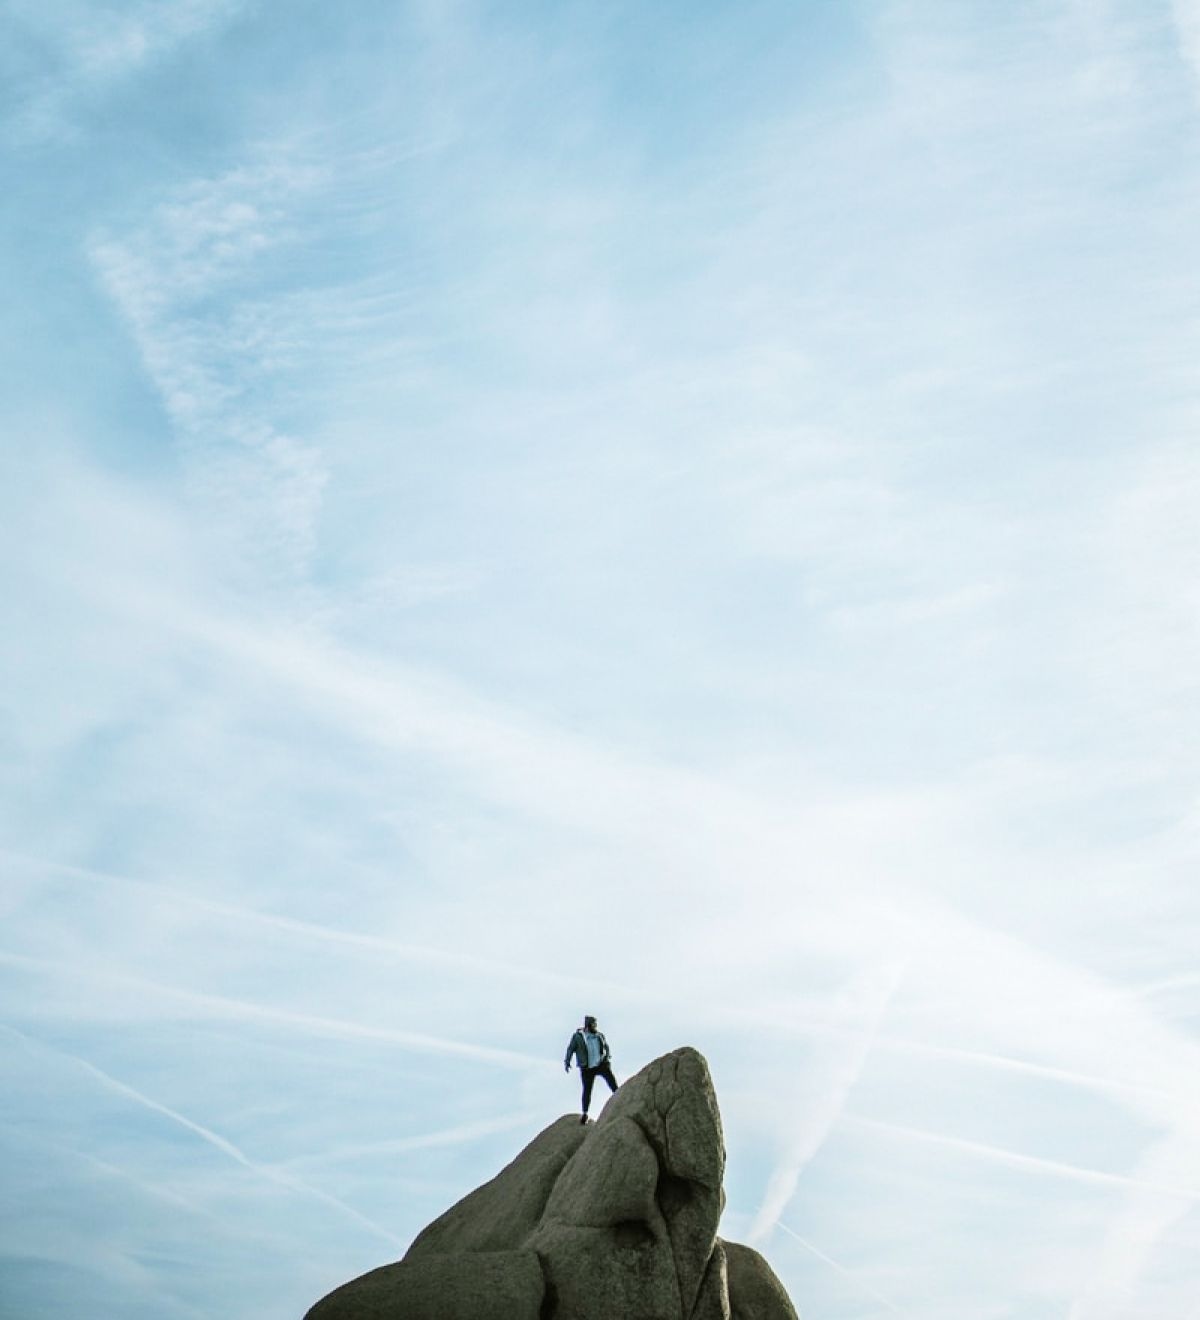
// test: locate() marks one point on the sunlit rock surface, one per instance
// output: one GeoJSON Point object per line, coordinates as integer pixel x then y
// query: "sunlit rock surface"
{"type": "Point", "coordinates": [613, 1221]}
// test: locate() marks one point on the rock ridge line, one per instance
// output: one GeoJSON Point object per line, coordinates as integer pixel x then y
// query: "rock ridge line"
{"type": "Point", "coordinates": [615, 1220]}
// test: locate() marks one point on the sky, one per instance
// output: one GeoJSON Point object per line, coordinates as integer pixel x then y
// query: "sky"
{"type": "Point", "coordinates": [688, 513]}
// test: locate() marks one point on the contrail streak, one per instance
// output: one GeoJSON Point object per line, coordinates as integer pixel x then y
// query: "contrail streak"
{"type": "Point", "coordinates": [1007, 1063]}
{"type": "Point", "coordinates": [213, 1139]}
{"type": "Point", "coordinates": [424, 1141]}
{"type": "Point", "coordinates": [418, 953]}
{"type": "Point", "coordinates": [220, 1006]}
{"type": "Point", "coordinates": [841, 1269]}
{"type": "Point", "coordinates": [843, 1077]}
{"type": "Point", "coordinates": [105, 1167]}
{"type": "Point", "coordinates": [1185, 981]}
{"type": "Point", "coordinates": [1034, 1163]}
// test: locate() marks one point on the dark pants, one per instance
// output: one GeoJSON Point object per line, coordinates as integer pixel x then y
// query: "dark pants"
{"type": "Point", "coordinates": [589, 1079]}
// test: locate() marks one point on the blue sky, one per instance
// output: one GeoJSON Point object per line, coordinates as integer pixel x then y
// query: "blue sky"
{"type": "Point", "coordinates": [686, 513]}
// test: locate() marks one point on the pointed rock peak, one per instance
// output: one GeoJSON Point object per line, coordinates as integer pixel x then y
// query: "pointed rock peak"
{"type": "Point", "coordinates": [588, 1222]}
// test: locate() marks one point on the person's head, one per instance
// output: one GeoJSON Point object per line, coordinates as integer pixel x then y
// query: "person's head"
{"type": "Point", "coordinates": [589, 1023]}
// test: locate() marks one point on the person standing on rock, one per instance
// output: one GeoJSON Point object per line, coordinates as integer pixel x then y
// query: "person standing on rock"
{"type": "Point", "coordinates": [590, 1050]}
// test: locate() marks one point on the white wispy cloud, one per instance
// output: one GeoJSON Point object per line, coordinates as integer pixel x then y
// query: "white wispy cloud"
{"type": "Point", "coordinates": [1186, 14]}
{"type": "Point", "coordinates": [260, 483]}
{"type": "Point", "coordinates": [1097, 1037]}
{"type": "Point", "coordinates": [98, 47]}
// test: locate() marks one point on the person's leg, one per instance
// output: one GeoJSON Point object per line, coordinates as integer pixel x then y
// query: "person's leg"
{"type": "Point", "coordinates": [589, 1080]}
{"type": "Point", "coordinates": [605, 1071]}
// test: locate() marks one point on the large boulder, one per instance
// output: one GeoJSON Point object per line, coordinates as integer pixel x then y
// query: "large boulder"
{"type": "Point", "coordinates": [754, 1291]}
{"type": "Point", "coordinates": [617, 1219]}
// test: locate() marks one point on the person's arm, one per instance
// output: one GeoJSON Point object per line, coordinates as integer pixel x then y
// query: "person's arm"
{"type": "Point", "coordinates": [570, 1051]}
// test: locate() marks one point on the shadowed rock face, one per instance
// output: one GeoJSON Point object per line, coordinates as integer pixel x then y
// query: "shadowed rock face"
{"type": "Point", "coordinates": [613, 1221]}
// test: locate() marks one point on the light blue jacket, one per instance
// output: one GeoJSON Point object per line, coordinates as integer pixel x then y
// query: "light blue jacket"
{"type": "Point", "coordinates": [577, 1046]}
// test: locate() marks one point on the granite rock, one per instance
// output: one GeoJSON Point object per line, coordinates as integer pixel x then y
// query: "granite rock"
{"type": "Point", "coordinates": [615, 1219]}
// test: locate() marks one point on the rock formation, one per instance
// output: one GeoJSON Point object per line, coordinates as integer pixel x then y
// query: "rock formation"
{"type": "Point", "coordinates": [613, 1221]}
